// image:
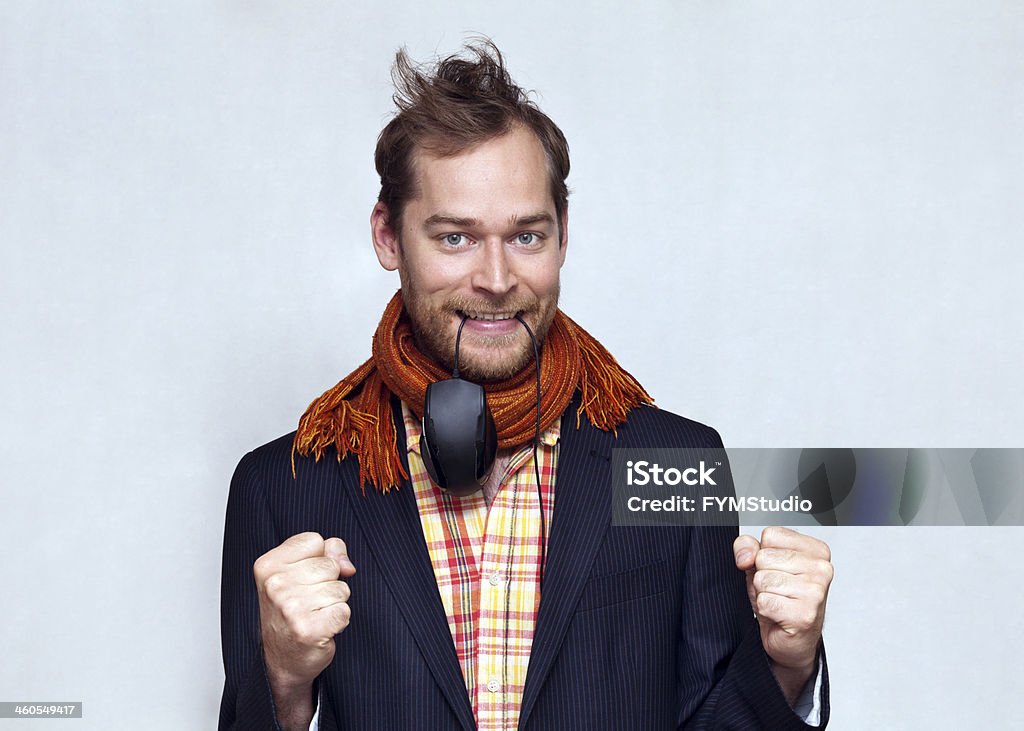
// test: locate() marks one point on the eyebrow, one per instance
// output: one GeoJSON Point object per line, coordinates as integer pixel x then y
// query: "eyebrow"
{"type": "Point", "coordinates": [542, 217]}
{"type": "Point", "coordinates": [439, 219]}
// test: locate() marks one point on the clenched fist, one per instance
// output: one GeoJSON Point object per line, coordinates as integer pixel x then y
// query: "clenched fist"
{"type": "Point", "coordinates": [303, 605]}
{"type": "Point", "coordinates": [788, 576]}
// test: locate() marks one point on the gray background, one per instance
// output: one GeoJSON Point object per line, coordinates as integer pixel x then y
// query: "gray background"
{"type": "Point", "coordinates": [794, 221]}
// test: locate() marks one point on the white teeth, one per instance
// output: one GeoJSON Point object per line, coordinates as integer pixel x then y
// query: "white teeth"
{"type": "Point", "coordinates": [490, 315]}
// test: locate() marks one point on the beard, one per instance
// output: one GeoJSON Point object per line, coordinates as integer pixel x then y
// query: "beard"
{"type": "Point", "coordinates": [482, 358]}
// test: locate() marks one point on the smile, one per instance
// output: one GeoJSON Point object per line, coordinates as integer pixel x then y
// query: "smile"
{"type": "Point", "coordinates": [487, 316]}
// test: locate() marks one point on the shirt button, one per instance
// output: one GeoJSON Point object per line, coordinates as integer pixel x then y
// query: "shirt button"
{"type": "Point", "coordinates": [493, 685]}
{"type": "Point", "coordinates": [495, 578]}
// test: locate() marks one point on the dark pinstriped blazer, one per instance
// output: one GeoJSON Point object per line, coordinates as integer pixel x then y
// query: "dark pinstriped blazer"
{"type": "Point", "coordinates": [638, 628]}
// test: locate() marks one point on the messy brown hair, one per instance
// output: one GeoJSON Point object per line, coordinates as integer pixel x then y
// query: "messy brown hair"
{"type": "Point", "coordinates": [457, 104]}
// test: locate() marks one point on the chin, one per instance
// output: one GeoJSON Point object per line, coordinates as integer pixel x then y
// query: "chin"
{"type": "Point", "coordinates": [494, 366]}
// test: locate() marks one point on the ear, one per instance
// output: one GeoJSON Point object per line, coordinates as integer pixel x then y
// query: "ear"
{"type": "Point", "coordinates": [385, 238]}
{"type": "Point", "coordinates": [564, 243]}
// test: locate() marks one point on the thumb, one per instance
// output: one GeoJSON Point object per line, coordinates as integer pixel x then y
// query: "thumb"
{"type": "Point", "coordinates": [335, 548]}
{"type": "Point", "coordinates": [745, 549]}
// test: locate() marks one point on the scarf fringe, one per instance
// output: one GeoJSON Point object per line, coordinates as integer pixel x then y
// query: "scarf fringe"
{"type": "Point", "coordinates": [609, 392]}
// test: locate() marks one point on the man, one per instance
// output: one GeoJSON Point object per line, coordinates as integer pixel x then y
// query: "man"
{"type": "Point", "coordinates": [358, 595]}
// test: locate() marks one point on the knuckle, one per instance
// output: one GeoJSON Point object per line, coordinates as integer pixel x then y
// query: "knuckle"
{"type": "Point", "coordinates": [342, 615]}
{"type": "Point", "coordinates": [304, 634]}
{"type": "Point", "coordinates": [809, 619]}
{"type": "Point", "coordinates": [259, 566]}
{"type": "Point", "coordinates": [345, 591]}
{"type": "Point", "coordinates": [274, 584]}
{"type": "Point", "coordinates": [302, 629]}
{"type": "Point", "coordinates": [826, 552]}
{"type": "Point", "coordinates": [830, 571]}
{"type": "Point", "coordinates": [310, 540]}
{"type": "Point", "coordinates": [291, 607]}
{"type": "Point", "coordinates": [825, 570]}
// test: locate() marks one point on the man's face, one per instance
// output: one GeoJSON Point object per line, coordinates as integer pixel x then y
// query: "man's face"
{"type": "Point", "coordinates": [481, 239]}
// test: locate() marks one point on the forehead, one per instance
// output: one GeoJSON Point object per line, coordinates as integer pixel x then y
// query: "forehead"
{"type": "Point", "coordinates": [496, 178]}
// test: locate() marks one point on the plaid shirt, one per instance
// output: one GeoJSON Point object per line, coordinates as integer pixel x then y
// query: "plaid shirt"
{"type": "Point", "coordinates": [473, 557]}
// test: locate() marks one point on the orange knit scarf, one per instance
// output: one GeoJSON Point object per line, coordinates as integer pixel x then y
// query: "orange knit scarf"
{"type": "Point", "coordinates": [355, 415]}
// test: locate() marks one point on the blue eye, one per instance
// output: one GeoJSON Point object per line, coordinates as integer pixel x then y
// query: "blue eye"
{"type": "Point", "coordinates": [526, 239]}
{"type": "Point", "coordinates": [454, 239]}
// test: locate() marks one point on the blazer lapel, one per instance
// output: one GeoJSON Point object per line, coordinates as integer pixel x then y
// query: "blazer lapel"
{"type": "Point", "coordinates": [395, 536]}
{"type": "Point", "coordinates": [581, 519]}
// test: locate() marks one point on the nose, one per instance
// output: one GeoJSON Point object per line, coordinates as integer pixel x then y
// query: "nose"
{"type": "Point", "coordinates": [493, 272]}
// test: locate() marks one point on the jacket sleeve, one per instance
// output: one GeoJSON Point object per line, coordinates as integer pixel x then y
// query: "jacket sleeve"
{"type": "Point", "coordinates": [249, 532]}
{"type": "Point", "coordinates": [721, 648]}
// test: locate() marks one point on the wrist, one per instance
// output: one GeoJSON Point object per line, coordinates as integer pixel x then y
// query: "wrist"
{"type": "Point", "coordinates": [793, 678]}
{"type": "Point", "coordinates": [286, 683]}
{"type": "Point", "coordinates": [294, 698]}
{"type": "Point", "coordinates": [294, 705]}
{"type": "Point", "coordinates": [282, 674]}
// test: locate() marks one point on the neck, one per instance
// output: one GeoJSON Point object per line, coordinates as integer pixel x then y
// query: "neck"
{"type": "Point", "coordinates": [490, 488]}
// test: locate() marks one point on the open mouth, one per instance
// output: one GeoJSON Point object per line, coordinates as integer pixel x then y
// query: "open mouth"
{"type": "Point", "coordinates": [487, 316]}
